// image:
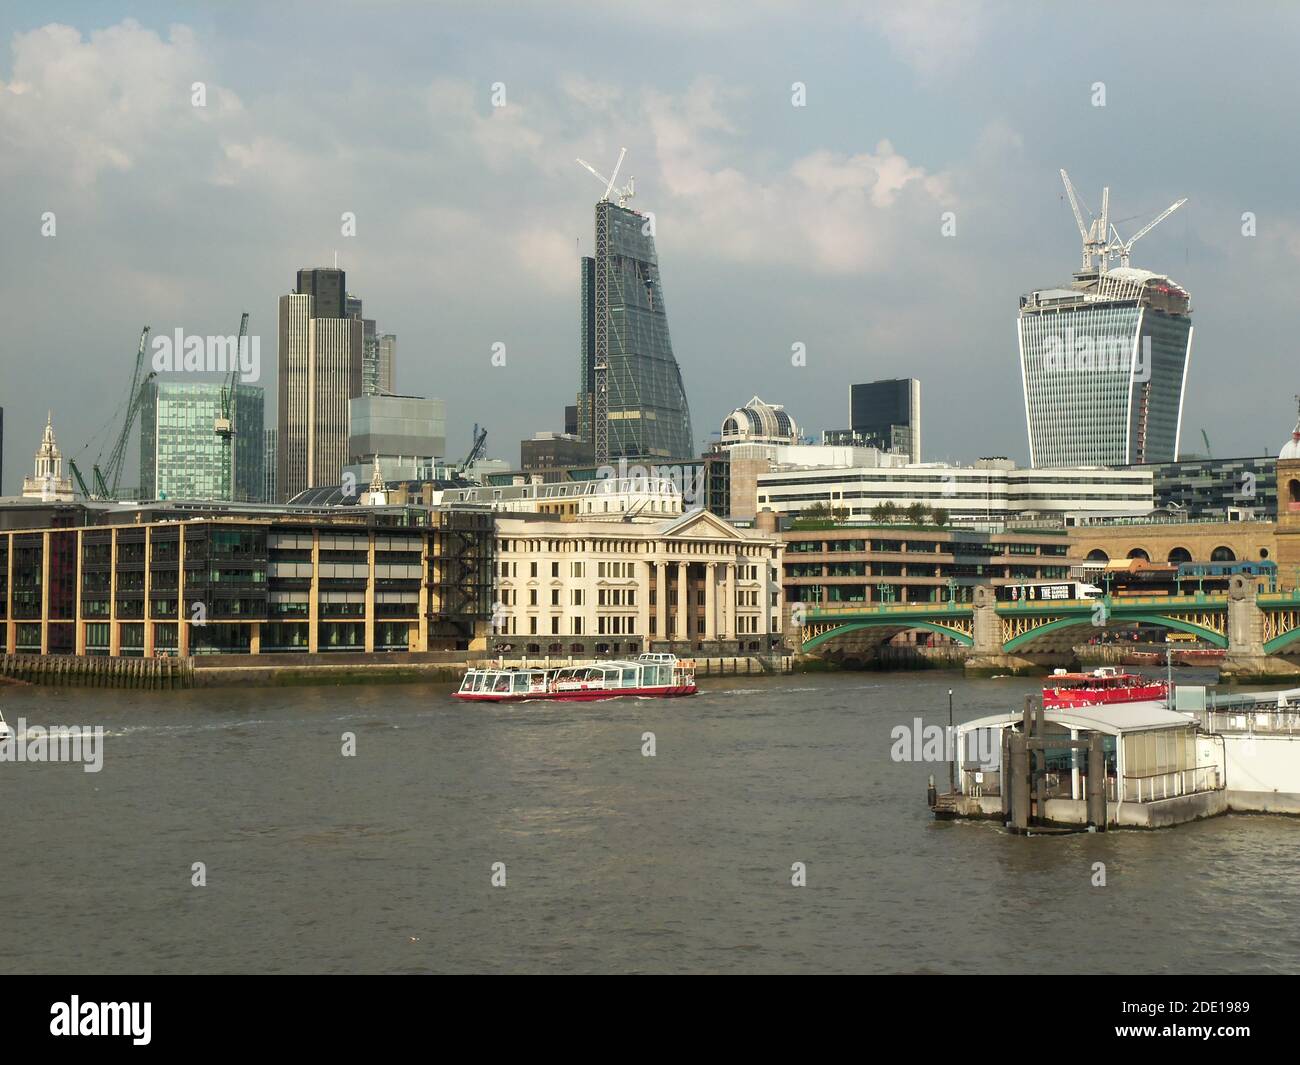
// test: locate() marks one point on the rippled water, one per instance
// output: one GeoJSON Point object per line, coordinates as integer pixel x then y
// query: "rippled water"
{"type": "Point", "coordinates": [614, 861]}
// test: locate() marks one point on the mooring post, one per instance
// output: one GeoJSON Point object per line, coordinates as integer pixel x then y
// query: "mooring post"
{"type": "Point", "coordinates": [1021, 782]}
{"type": "Point", "coordinates": [1096, 782]}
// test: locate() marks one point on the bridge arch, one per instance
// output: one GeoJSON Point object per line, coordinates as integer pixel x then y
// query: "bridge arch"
{"type": "Point", "coordinates": [1025, 640]}
{"type": "Point", "coordinates": [892, 626]}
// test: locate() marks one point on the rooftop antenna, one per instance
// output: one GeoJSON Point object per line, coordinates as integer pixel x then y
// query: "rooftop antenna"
{"type": "Point", "coordinates": [625, 193]}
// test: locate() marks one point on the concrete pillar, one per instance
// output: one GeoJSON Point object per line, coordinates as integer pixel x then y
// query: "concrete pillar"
{"type": "Point", "coordinates": [1074, 766]}
{"type": "Point", "coordinates": [422, 624]}
{"type": "Point", "coordinates": [79, 636]}
{"type": "Point", "coordinates": [148, 559]}
{"type": "Point", "coordinates": [182, 607]}
{"type": "Point", "coordinates": [255, 639]}
{"type": "Point", "coordinates": [114, 636]}
{"type": "Point", "coordinates": [370, 594]}
{"type": "Point", "coordinates": [313, 594]}
{"type": "Point", "coordinates": [642, 590]}
{"type": "Point", "coordinates": [45, 592]}
{"type": "Point", "coordinates": [661, 599]}
{"type": "Point", "coordinates": [683, 592]}
{"type": "Point", "coordinates": [987, 624]}
{"type": "Point", "coordinates": [729, 607]}
{"type": "Point", "coordinates": [1097, 782]}
{"type": "Point", "coordinates": [11, 629]}
{"type": "Point", "coordinates": [1245, 619]}
{"type": "Point", "coordinates": [710, 601]}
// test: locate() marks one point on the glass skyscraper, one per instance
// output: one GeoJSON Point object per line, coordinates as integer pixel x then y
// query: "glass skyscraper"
{"type": "Point", "coordinates": [181, 456]}
{"type": "Point", "coordinates": [1103, 364]}
{"type": "Point", "coordinates": [625, 322]}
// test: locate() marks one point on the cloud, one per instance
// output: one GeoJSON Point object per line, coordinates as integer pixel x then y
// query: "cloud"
{"type": "Point", "coordinates": [934, 37]}
{"type": "Point", "coordinates": [78, 106]}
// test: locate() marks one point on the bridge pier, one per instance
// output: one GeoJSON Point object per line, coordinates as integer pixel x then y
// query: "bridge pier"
{"type": "Point", "coordinates": [987, 657]}
{"type": "Point", "coordinates": [1246, 659]}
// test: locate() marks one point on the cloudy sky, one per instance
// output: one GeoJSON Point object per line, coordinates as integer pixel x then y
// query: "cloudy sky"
{"type": "Point", "coordinates": [777, 224]}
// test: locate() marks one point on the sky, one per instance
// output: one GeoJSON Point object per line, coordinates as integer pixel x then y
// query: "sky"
{"type": "Point", "coordinates": [777, 225]}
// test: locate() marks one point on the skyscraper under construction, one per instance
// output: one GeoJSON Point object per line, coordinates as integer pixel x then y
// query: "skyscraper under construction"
{"type": "Point", "coordinates": [631, 401]}
{"type": "Point", "coordinates": [1104, 360]}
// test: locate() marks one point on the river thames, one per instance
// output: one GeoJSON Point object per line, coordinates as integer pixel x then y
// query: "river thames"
{"type": "Point", "coordinates": [613, 861]}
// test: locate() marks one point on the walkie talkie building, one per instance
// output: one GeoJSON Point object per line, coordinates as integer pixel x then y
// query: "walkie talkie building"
{"type": "Point", "coordinates": [1104, 361]}
{"type": "Point", "coordinates": [625, 328]}
{"type": "Point", "coordinates": [1104, 364]}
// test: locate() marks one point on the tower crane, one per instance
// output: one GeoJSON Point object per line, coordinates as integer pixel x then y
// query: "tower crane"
{"type": "Point", "coordinates": [1101, 240]}
{"type": "Point", "coordinates": [107, 479]}
{"type": "Point", "coordinates": [475, 451]}
{"type": "Point", "coordinates": [625, 193]}
{"type": "Point", "coordinates": [1124, 247]}
{"type": "Point", "coordinates": [224, 426]}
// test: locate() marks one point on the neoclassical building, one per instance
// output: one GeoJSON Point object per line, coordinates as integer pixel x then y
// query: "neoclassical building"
{"type": "Point", "coordinates": [693, 585]}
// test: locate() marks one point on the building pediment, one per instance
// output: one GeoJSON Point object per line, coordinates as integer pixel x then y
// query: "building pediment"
{"type": "Point", "coordinates": [700, 523]}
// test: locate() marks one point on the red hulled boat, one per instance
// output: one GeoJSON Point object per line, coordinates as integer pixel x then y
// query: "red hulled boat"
{"type": "Point", "coordinates": [1101, 687]}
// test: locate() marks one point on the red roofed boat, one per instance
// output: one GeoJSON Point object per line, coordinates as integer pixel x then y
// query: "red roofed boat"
{"type": "Point", "coordinates": [1101, 687]}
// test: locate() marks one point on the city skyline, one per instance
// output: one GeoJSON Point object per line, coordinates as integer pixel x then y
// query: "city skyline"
{"type": "Point", "coordinates": [779, 225]}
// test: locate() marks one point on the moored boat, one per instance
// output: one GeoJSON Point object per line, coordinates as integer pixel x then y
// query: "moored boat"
{"type": "Point", "coordinates": [656, 676]}
{"type": "Point", "coordinates": [1103, 686]}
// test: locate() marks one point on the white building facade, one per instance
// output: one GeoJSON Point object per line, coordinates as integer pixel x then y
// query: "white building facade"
{"type": "Point", "coordinates": [692, 584]}
{"type": "Point", "coordinates": [991, 491]}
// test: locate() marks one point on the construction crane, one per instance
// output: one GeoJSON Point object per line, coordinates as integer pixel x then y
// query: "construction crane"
{"type": "Point", "coordinates": [1125, 247]}
{"type": "Point", "coordinates": [107, 480]}
{"type": "Point", "coordinates": [1208, 453]}
{"type": "Point", "coordinates": [625, 193]}
{"type": "Point", "coordinates": [224, 426]}
{"type": "Point", "coordinates": [475, 452]}
{"type": "Point", "coordinates": [81, 481]}
{"type": "Point", "coordinates": [1101, 240]}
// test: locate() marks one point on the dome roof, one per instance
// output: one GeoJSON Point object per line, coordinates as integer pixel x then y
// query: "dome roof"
{"type": "Point", "coordinates": [759, 422]}
{"type": "Point", "coordinates": [1291, 449]}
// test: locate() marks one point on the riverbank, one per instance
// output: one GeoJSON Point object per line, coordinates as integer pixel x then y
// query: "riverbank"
{"type": "Point", "coordinates": [293, 670]}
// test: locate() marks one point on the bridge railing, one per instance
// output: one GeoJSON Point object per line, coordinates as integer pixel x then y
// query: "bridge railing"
{"type": "Point", "coordinates": [833, 610]}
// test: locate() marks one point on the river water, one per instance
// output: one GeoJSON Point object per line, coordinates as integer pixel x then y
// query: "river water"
{"type": "Point", "coordinates": [613, 861]}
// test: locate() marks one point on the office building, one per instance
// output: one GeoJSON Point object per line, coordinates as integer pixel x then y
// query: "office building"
{"type": "Point", "coordinates": [111, 579]}
{"type": "Point", "coordinates": [624, 327]}
{"type": "Point", "coordinates": [406, 435]}
{"type": "Point", "coordinates": [320, 359]}
{"type": "Point", "coordinates": [182, 457]}
{"type": "Point", "coordinates": [1103, 360]}
{"type": "Point", "coordinates": [270, 492]}
{"type": "Point", "coordinates": [1215, 488]}
{"type": "Point", "coordinates": [386, 364]}
{"type": "Point", "coordinates": [823, 567]}
{"type": "Point", "coordinates": [992, 491]}
{"type": "Point", "coordinates": [885, 415]}
{"type": "Point", "coordinates": [549, 454]}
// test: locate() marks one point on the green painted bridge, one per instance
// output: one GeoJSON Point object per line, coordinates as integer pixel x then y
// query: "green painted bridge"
{"type": "Point", "coordinates": [1241, 621]}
